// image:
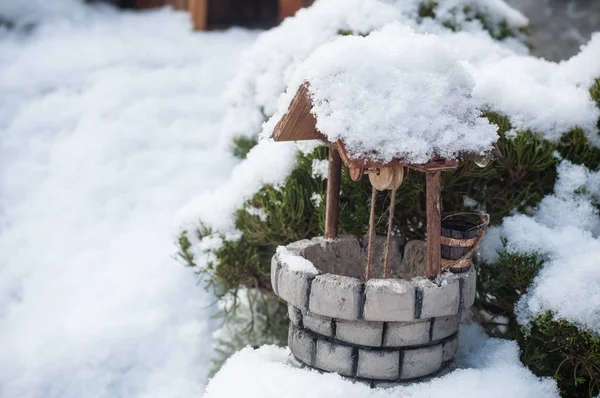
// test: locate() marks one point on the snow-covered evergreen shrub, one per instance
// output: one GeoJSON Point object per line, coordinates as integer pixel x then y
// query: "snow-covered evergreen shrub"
{"type": "Point", "coordinates": [546, 114]}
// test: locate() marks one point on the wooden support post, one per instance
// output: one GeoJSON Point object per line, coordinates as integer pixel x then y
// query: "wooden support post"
{"type": "Point", "coordinates": [199, 11]}
{"type": "Point", "coordinates": [143, 4]}
{"type": "Point", "coordinates": [334, 182]}
{"type": "Point", "coordinates": [434, 223]}
{"type": "Point", "coordinates": [287, 8]}
{"type": "Point", "coordinates": [178, 4]}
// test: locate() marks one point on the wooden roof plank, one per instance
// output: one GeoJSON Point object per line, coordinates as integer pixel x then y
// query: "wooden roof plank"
{"type": "Point", "coordinates": [298, 124]}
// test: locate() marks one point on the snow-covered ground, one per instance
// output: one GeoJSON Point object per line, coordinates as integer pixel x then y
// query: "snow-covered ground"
{"type": "Point", "coordinates": [108, 123]}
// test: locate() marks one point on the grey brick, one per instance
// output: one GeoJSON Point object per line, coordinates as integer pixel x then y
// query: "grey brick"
{"type": "Point", "coordinates": [420, 362]}
{"type": "Point", "coordinates": [335, 296]}
{"type": "Point", "coordinates": [398, 334]}
{"type": "Point", "coordinates": [299, 247]}
{"type": "Point", "coordinates": [359, 332]}
{"type": "Point", "coordinates": [293, 286]}
{"type": "Point", "coordinates": [450, 347]}
{"type": "Point", "coordinates": [295, 315]}
{"type": "Point", "coordinates": [447, 367]}
{"type": "Point", "coordinates": [440, 300]}
{"type": "Point", "coordinates": [378, 364]}
{"type": "Point", "coordinates": [302, 345]}
{"type": "Point", "coordinates": [389, 300]}
{"type": "Point", "coordinates": [444, 327]}
{"type": "Point", "coordinates": [318, 324]}
{"type": "Point", "coordinates": [469, 287]}
{"type": "Point", "coordinates": [386, 384]}
{"type": "Point", "coordinates": [295, 362]}
{"type": "Point", "coordinates": [334, 358]}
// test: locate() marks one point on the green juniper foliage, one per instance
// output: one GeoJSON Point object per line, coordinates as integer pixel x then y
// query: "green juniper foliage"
{"type": "Point", "coordinates": [559, 349]}
{"type": "Point", "coordinates": [242, 145]}
{"type": "Point", "coordinates": [502, 284]}
{"type": "Point", "coordinates": [499, 31]}
{"type": "Point", "coordinates": [595, 93]}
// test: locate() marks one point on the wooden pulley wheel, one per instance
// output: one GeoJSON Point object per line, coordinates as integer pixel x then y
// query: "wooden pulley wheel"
{"type": "Point", "coordinates": [356, 173]}
{"type": "Point", "coordinates": [387, 178]}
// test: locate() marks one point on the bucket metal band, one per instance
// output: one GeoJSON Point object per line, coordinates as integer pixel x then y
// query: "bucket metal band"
{"type": "Point", "coordinates": [456, 242]}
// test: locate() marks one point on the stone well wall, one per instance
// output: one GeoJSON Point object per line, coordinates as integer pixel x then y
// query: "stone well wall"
{"type": "Point", "coordinates": [380, 331]}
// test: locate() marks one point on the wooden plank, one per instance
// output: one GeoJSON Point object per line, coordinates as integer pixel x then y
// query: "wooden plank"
{"type": "Point", "coordinates": [358, 163]}
{"type": "Point", "coordinates": [199, 11]}
{"type": "Point", "coordinates": [334, 183]}
{"type": "Point", "coordinates": [299, 124]}
{"type": "Point", "coordinates": [434, 223]}
{"type": "Point", "coordinates": [287, 8]}
{"type": "Point", "coordinates": [143, 4]}
{"type": "Point", "coordinates": [361, 163]}
{"type": "Point", "coordinates": [435, 165]}
{"type": "Point", "coordinates": [178, 4]}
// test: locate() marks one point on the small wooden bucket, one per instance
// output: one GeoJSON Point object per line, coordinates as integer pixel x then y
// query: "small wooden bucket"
{"type": "Point", "coordinates": [460, 238]}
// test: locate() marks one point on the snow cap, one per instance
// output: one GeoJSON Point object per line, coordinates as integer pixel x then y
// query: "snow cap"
{"type": "Point", "coordinates": [393, 94]}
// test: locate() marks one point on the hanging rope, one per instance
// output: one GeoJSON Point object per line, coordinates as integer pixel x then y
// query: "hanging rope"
{"type": "Point", "coordinates": [371, 234]}
{"type": "Point", "coordinates": [389, 234]}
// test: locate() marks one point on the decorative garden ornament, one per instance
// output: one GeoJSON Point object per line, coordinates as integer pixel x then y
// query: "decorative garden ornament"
{"type": "Point", "coordinates": [363, 309]}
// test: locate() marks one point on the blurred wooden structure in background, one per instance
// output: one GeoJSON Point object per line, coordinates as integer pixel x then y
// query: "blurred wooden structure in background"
{"type": "Point", "coordinates": [219, 14]}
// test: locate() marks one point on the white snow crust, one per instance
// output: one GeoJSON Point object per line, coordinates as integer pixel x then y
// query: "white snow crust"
{"type": "Point", "coordinates": [268, 67]}
{"type": "Point", "coordinates": [393, 94]}
{"type": "Point", "coordinates": [108, 124]}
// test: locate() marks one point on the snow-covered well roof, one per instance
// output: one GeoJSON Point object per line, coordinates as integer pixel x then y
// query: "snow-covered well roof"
{"type": "Point", "coordinates": [266, 70]}
{"type": "Point", "coordinates": [394, 94]}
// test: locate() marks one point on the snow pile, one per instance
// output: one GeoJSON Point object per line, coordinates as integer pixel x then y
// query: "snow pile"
{"type": "Point", "coordinates": [320, 168]}
{"type": "Point", "coordinates": [108, 125]}
{"type": "Point", "coordinates": [266, 163]}
{"type": "Point", "coordinates": [270, 64]}
{"type": "Point", "coordinates": [494, 371]}
{"type": "Point", "coordinates": [547, 97]}
{"type": "Point", "coordinates": [565, 231]}
{"type": "Point", "coordinates": [384, 104]}
{"type": "Point", "coordinates": [22, 13]}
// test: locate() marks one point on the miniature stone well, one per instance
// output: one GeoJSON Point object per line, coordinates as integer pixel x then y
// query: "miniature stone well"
{"type": "Point", "coordinates": [382, 331]}
{"type": "Point", "coordinates": [377, 310]}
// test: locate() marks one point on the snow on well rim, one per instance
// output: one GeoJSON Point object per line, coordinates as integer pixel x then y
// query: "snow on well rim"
{"type": "Point", "coordinates": [393, 94]}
